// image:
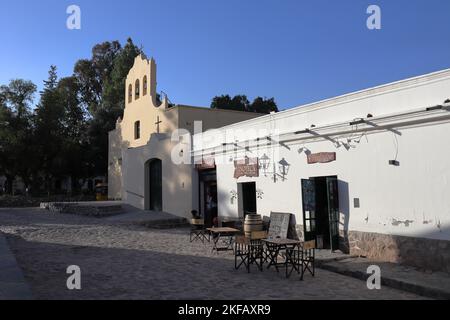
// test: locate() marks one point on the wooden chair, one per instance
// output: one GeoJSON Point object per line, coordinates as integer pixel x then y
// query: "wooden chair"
{"type": "Point", "coordinates": [249, 251]}
{"type": "Point", "coordinates": [198, 231]}
{"type": "Point", "coordinates": [303, 259]}
{"type": "Point", "coordinates": [308, 258]}
{"type": "Point", "coordinates": [242, 252]}
{"type": "Point", "coordinates": [258, 255]}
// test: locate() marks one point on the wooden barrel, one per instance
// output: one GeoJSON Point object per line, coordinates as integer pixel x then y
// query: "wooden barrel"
{"type": "Point", "coordinates": [253, 222]}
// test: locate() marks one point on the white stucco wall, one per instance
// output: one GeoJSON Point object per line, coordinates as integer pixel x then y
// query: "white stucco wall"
{"type": "Point", "coordinates": [177, 178]}
{"type": "Point", "coordinates": [415, 192]}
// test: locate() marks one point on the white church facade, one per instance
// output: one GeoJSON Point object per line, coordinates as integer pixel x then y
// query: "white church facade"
{"type": "Point", "coordinates": [367, 173]}
{"type": "Point", "coordinates": [140, 170]}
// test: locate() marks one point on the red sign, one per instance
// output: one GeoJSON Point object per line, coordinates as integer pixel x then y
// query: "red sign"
{"type": "Point", "coordinates": [206, 164]}
{"type": "Point", "coordinates": [246, 168]}
{"type": "Point", "coordinates": [323, 157]}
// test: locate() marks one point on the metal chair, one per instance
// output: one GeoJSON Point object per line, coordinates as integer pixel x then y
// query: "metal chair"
{"type": "Point", "coordinates": [303, 259]}
{"type": "Point", "coordinates": [198, 231]}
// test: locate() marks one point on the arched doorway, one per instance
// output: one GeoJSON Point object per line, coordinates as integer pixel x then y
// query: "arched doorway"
{"type": "Point", "coordinates": [153, 185]}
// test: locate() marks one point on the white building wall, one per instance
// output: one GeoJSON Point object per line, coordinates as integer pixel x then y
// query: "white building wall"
{"type": "Point", "coordinates": [390, 197]}
{"type": "Point", "coordinates": [408, 200]}
{"type": "Point", "coordinates": [177, 178]}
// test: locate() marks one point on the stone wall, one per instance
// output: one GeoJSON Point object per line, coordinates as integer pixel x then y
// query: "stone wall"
{"type": "Point", "coordinates": [82, 210]}
{"type": "Point", "coordinates": [426, 254]}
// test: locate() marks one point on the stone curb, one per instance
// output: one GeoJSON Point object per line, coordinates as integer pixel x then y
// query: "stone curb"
{"type": "Point", "coordinates": [82, 210]}
{"type": "Point", "coordinates": [390, 282]}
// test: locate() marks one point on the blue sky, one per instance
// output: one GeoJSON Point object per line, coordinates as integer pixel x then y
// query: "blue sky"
{"type": "Point", "coordinates": [296, 51]}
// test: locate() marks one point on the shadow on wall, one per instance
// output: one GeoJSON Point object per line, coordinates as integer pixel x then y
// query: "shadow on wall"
{"type": "Point", "coordinates": [296, 230]}
{"type": "Point", "coordinates": [230, 198]}
{"type": "Point", "coordinates": [176, 179]}
{"type": "Point", "coordinates": [116, 145]}
{"type": "Point", "coordinates": [344, 219]}
{"type": "Point", "coordinates": [343, 224]}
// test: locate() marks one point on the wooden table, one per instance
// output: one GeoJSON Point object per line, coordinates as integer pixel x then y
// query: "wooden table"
{"type": "Point", "coordinates": [274, 246]}
{"type": "Point", "coordinates": [221, 233]}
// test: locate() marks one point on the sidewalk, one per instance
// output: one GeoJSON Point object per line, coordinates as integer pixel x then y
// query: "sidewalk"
{"type": "Point", "coordinates": [12, 283]}
{"type": "Point", "coordinates": [149, 219]}
{"type": "Point", "coordinates": [433, 285]}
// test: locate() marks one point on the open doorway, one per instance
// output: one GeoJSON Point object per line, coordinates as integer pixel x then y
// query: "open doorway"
{"type": "Point", "coordinates": [153, 185]}
{"type": "Point", "coordinates": [321, 211]}
{"type": "Point", "coordinates": [247, 199]}
{"type": "Point", "coordinates": [208, 196]}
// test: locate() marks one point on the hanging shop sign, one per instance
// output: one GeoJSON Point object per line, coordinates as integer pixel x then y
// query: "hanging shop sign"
{"type": "Point", "coordinates": [206, 164]}
{"type": "Point", "coordinates": [323, 157]}
{"type": "Point", "coordinates": [249, 167]}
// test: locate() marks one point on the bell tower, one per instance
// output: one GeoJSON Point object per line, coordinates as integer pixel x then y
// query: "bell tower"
{"type": "Point", "coordinates": [141, 82]}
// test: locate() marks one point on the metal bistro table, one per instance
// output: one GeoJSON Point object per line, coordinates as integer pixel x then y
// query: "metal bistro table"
{"type": "Point", "coordinates": [223, 233]}
{"type": "Point", "coordinates": [274, 246]}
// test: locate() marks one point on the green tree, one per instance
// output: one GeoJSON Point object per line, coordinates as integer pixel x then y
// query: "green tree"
{"type": "Point", "coordinates": [263, 105]}
{"type": "Point", "coordinates": [241, 103]}
{"type": "Point", "coordinates": [114, 85]}
{"type": "Point", "coordinates": [93, 73]}
{"type": "Point", "coordinates": [49, 131]}
{"type": "Point", "coordinates": [74, 148]}
{"type": "Point", "coordinates": [237, 103]}
{"type": "Point", "coordinates": [112, 104]}
{"type": "Point", "coordinates": [16, 131]}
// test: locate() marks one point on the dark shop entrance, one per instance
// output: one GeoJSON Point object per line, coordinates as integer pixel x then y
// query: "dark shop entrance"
{"type": "Point", "coordinates": [320, 196]}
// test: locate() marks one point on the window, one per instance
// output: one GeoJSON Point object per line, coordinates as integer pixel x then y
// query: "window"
{"type": "Point", "coordinates": [144, 83]}
{"type": "Point", "coordinates": [130, 93]}
{"type": "Point", "coordinates": [137, 130]}
{"type": "Point", "coordinates": [137, 91]}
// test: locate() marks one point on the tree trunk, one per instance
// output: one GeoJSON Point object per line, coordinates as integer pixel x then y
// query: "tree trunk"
{"type": "Point", "coordinates": [9, 184]}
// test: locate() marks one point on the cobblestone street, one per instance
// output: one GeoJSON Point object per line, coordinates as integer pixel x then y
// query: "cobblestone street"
{"type": "Point", "coordinates": [120, 260]}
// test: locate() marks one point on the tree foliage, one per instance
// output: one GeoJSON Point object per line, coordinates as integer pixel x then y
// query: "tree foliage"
{"type": "Point", "coordinates": [241, 103]}
{"type": "Point", "coordinates": [16, 130]}
{"type": "Point", "coordinates": [106, 72]}
{"type": "Point", "coordinates": [66, 135]}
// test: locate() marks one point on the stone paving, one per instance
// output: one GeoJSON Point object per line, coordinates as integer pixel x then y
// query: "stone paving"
{"type": "Point", "coordinates": [430, 284]}
{"type": "Point", "coordinates": [12, 282]}
{"type": "Point", "coordinates": [123, 260]}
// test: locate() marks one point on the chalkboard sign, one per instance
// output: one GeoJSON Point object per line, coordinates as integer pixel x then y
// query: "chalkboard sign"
{"type": "Point", "coordinates": [279, 225]}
